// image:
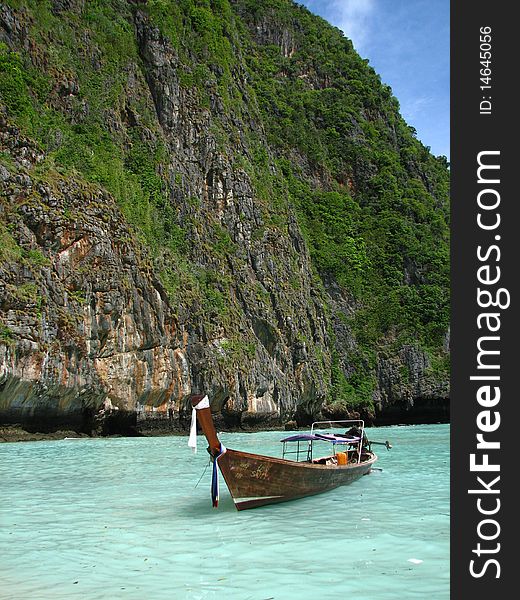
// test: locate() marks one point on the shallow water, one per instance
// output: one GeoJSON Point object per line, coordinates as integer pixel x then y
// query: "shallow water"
{"type": "Point", "coordinates": [122, 518]}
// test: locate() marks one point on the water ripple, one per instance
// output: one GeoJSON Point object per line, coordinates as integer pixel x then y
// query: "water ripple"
{"type": "Point", "coordinates": [122, 518]}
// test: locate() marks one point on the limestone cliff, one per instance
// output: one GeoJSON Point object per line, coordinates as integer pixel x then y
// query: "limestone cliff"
{"type": "Point", "coordinates": [181, 213]}
{"type": "Point", "coordinates": [86, 323]}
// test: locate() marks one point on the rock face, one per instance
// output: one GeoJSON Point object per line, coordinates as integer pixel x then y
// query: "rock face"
{"type": "Point", "coordinates": [90, 326]}
{"type": "Point", "coordinates": [152, 242]}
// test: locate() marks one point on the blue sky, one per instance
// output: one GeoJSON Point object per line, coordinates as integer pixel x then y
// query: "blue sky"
{"type": "Point", "coordinates": [408, 44]}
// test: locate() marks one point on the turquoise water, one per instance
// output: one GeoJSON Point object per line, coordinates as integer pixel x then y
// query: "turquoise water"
{"type": "Point", "coordinates": [122, 518]}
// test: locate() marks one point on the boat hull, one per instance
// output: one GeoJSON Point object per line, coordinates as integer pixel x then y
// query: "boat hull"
{"type": "Point", "coordinates": [256, 480]}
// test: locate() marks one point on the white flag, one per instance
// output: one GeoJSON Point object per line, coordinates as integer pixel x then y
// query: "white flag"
{"type": "Point", "coordinates": [192, 441]}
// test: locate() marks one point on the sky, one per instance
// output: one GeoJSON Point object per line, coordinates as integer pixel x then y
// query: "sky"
{"type": "Point", "coordinates": [407, 42]}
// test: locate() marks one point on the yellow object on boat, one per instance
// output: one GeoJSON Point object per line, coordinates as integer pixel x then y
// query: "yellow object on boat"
{"type": "Point", "coordinates": [342, 458]}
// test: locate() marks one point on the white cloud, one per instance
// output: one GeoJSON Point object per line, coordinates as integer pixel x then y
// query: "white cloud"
{"type": "Point", "coordinates": [412, 108]}
{"type": "Point", "coordinates": [355, 19]}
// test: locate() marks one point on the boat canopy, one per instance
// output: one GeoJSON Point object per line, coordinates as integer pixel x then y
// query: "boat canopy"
{"type": "Point", "coordinates": [322, 437]}
{"type": "Point", "coordinates": [352, 439]}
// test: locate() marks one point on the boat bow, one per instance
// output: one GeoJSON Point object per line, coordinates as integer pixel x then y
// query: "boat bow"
{"type": "Point", "coordinates": [202, 413]}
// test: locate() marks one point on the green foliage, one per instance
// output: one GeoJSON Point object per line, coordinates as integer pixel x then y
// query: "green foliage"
{"type": "Point", "coordinates": [203, 35]}
{"type": "Point", "coordinates": [236, 349]}
{"type": "Point", "coordinates": [356, 390]}
{"type": "Point", "coordinates": [77, 296]}
{"type": "Point", "coordinates": [222, 244]}
{"type": "Point", "coordinates": [15, 83]}
{"type": "Point", "coordinates": [10, 251]}
{"type": "Point", "coordinates": [129, 171]}
{"type": "Point", "coordinates": [168, 16]}
{"type": "Point", "coordinates": [380, 226]}
{"type": "Point", "coordinates": [28, 293]}
{"type": "Point", "coordinates": [330, 221]}
{"type": "Point", "coordinates": [35, 259]}
{"type": "Point", "coordinates": [203, 290]}
{"type": "Point", "coordinates": [439, 365]}
{"type": "Point", "coordinates": [6, 335]}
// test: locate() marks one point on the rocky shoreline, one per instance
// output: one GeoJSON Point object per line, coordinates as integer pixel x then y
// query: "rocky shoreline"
{"type": "Point", "coordinates": [18, 433]}
{"type": "Point", "coordinates": [15, 433]}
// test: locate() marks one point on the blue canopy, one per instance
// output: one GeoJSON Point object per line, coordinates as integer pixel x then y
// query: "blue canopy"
{"type": "Point", "coordinates": [322, 437]}
{"type": "Point", "coordinates": [300, 437]}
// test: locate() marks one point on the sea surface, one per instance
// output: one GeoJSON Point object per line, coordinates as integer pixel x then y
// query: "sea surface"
{"type": "Point", "coordinates": [126, 518]}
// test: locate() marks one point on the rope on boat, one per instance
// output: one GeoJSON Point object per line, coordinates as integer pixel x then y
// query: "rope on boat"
{"type": "Point", "coordinates": [214, 477]}
{"type": "Point", "coordinates": [203, 473]}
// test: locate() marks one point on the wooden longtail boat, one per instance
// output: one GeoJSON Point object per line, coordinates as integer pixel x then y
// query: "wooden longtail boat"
{"type": "Point", "coordinates": [255, 480]}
